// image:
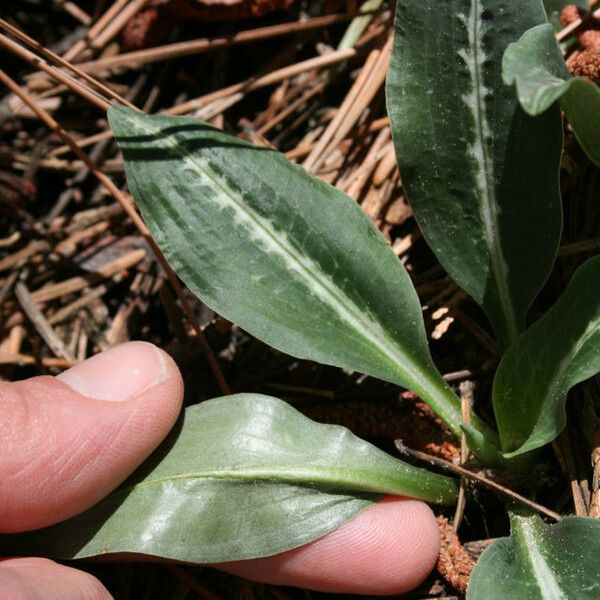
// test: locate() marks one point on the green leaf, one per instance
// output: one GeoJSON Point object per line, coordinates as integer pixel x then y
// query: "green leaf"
{"type": "Point", "coordinates": [536, 67]}
{"type": "Point", "coordinates": [554, 354]}
{"type": "Point", "coordinates": [292, 260]}
{"type": "Point", "coordinates": [480, 174]}
{"type": "Point", "coordinates": [541, 562]}
{"type": "Point", "coordinates": [243, 476]}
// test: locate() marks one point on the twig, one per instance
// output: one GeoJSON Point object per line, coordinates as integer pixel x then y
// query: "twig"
{"type": "Point", "coordinates": [76, 305]}
{"type": "Point", "coordinates": [40, 323]}
{"type": "Point", "coordinates": [462, 472]}
{"type": "Point", "coordinates": [13, 260]}
{"type": "Point", "coordinates": [356, 181]}
{"type": "Point", "coordinates": [357, 100]}
{"type": "Point", "coordinates": [191, 47]}
{"type": "Point", "coordinates": [255, 83]}
{"type": "Point", "coordinates": [80, 282]}
{"type": "Point", "coordinates": [95, 29]}
{"type": "Point", "coordinates": [249, 85]}
{"type": "Point", "coordinates": [567, 31]}
{"type": "Point", "coordinates": [114, 26]}
{"type": "Point", "coordinates": [74, 10]}
{"type": "Point", "coordinates": [90, 95]}
{"type": "Point", "coordinates": [589, 423]}
{"type": "Point", "coordinates": [23, 37]}
{"type": "Point", "coordinates": [457, 375]}
{"type": "Point", "coordinates": [314, 158]}
{"type": "Point", "coordinates": [564, 453]}
{"type": "Point", "coordinates": [96, 155]}
{"type": "Point", "coordinates": [7, 286]}
{"type": "Point", "coordinates": [577, 247]}
{"type": "Point", "coordinates": [26, 359]}
{"type": "Point", "coordinates": [294, 389]}
{"type": "Point", "coordinates": [466, 404]}
{"type": "Point", "coordinates": [291, 108]}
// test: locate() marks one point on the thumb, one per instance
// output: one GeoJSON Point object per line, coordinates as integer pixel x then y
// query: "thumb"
{"type": "Point", "coordinates": [66, 442]}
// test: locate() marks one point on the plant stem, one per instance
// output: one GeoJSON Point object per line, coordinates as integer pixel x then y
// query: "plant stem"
{"type": "Point", "coordinates": [438, 395]}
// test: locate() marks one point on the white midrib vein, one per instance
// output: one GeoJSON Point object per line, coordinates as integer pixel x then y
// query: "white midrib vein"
{"type": "Point", "coordinates": [353, 479]}
{"type": "Point", "coordinates": [318, 282]}
{"type": "Point", "coordinates": [474, 57]}
{"type": "Point", "coordinates": [403, 480]}
{"type": "Point", "coordinates": [542, 572]}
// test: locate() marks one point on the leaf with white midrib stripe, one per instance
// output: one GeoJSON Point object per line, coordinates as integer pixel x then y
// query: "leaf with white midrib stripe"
{"type": "Point", "coordinates": [540, 562]}
{"type": "Point", "coordinates": [474, 57]}
{"type": "Point", "coordinates": [239, 477]}
{"type": "Point", "coordinates": [558, 351]}
{"type": "Point", "coordinates": [480, 175]}
{"type": "Point", "coordinates": [289, 258]}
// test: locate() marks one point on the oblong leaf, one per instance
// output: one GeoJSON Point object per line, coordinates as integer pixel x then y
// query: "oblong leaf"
{"type": "Point", "coordinates": [480, 174]}
{"type": "Point", "coordinates": [534, 64]}
{"type": "Point", "coordinates": [243, 476]}
{"type": "Point", "coordinates": [546, 361]}
{"type": "Point", "coordinates": [541, 562]}
{"type": "Point", "coordinates": [289, 258]}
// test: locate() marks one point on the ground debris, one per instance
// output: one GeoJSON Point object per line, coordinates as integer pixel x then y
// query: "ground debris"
{"type": "Point", "coordinates": [454, 564]}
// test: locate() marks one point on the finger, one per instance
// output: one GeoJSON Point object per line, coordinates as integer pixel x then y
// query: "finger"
{"type": "Point", "coordinates": [66, 442]}
{"type": "Point", "coordinates": [389, 548]}
{"type": "Point", "coordinates": [42, 579]}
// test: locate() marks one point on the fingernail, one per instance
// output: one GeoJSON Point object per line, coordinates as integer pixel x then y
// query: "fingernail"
{"type": "Point", "coordinates": [118, 374]}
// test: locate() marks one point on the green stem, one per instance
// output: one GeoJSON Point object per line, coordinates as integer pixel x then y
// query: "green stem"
{"type": "Point", "coordinates": [438, 395]}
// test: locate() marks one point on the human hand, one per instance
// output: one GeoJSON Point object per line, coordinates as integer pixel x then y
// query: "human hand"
{"type": "Point", "coordinates": [66, 442]}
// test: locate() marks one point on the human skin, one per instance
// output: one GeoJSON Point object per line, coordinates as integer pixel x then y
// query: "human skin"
{"type": "Point", "coordinates": [67, 441]}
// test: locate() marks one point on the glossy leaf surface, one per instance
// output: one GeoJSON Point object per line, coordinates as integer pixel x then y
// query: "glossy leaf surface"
{"type": "Point", "coordinates": [536, 67]}
{"type": "Point", "coordinates": [554, 354]}
{"type": "Point", "coordinates": [541, 562]}
{"type": "Point", "coordinates": [291, 259]}
{"type": "Point", "coordinates": [480, 174]}
{"type": "Point", "coordinates": [244, 476]}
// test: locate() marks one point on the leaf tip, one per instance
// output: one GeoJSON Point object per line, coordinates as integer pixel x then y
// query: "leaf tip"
{"type": "Point", "coordinates": [121, 117]}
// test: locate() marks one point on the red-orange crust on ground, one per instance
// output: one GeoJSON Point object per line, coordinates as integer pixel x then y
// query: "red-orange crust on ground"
{"type": "Point", "coordinates": [590, 39]}
{"type": "Point", "coordinates": [569, 14]}
{"type": "Point", "coordinates": [586, 64]}
{"type": "Point", "coordinates": [454, 564]}
{"type": "Point", "coordinates": [423, 430]}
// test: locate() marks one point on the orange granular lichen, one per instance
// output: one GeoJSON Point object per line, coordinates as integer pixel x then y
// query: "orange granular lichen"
{"type": "Point", "coordinates": [590, 39]}
{"type": "Point", "coordinates": [569, 14]}
{"type": "Point", "coordinates": [586, 64]}
{"type": "Point", "coordinates": [454, 564]}
{"type": "Point", "coordinates": [426, 432]}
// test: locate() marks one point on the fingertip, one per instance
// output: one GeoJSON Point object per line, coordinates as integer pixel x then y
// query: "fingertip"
{"type": "Point", "coordinates": [388, 548]}
{"type": "Point", "coordinates": [163, 400]}
{"type": "Point", "coordinates": [121, 373]}
{"type": "Point", "coordinates": [43, 579]}
{"type": "Point", "coordinates": [71, 440]}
